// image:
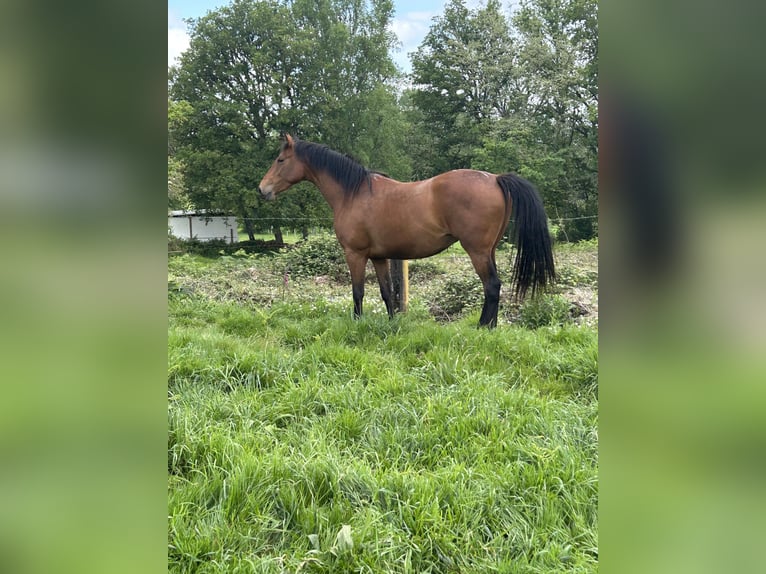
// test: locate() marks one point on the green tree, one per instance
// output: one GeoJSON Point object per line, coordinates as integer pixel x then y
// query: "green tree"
{"type": "Point", "coordinates": [558, 43]}
{"type": "Point", "coordinates": [255, 69]}
{"type": "Point", "coordinates": [177, 197]}
{"type": "Point", "coordinates": [514, 95]}
{"type": "Point", "coordinates": [462, 71]}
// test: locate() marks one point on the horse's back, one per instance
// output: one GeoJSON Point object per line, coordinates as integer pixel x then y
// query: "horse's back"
{"type": "Point", "coordinates": [469, 196]}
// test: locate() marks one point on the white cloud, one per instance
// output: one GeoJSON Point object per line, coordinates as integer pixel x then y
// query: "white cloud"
{"type": "Point", "coordinates": [410, 28]}
{"type": "Point", "coordinates": [178, 42]}
{"type": "Point", "coordinates": [178, 38]}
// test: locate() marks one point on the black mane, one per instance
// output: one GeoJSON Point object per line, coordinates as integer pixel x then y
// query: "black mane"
{"type": "Point", "coordinates": [344, 169]}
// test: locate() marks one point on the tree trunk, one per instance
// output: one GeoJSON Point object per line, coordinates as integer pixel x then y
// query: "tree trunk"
{"type": "Point", "coordinates": [249, 229]}
{"type": "Point", "coordinates": [246, 221]}
{"type": "Point", "coordinates": [278, 235]}
{"type": "Point", "coordinates": [305, 232]}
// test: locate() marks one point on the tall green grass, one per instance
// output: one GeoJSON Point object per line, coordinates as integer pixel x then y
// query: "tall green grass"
{"type": "Point", "coordinates": [302, 440]}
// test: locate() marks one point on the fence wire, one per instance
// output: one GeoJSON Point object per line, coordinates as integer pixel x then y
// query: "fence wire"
{"type": "Point", "coordinates": [330, 219]}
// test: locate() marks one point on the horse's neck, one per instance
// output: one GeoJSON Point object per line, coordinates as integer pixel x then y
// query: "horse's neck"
{"type": "Point", "coordinates": [330, 189]}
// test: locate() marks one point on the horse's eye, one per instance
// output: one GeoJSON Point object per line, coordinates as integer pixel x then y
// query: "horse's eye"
{"type": "Point", "coordinates": [280, 160]}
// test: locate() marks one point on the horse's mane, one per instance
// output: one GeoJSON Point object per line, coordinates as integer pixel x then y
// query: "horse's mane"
{"type": "Point", "coordinates": [347, 171]}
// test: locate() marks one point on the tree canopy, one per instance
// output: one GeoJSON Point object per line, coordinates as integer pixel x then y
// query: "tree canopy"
{"type": "Point", "coordinates": [515, 94]}
{"type": "Point", "coordinates": [489, 90]}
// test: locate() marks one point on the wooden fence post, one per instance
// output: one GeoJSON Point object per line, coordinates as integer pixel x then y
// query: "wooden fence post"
{"type": "Point", "coordinates": [401, 283]}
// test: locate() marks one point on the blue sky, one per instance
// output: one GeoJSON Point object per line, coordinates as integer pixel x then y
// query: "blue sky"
{"type": "Point", "coordinates": [411, 22]}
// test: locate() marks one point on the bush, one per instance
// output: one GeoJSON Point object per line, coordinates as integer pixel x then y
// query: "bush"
{"type": "Point", "coordinates": [318, 255]}
{"type": "Point", "coordinates": [456, 294]}
{"type": "Point", "coordinates": [544, 309]}
{"type": "Point", "coordinates": [216, 247]}
{"type": "Point", "coordinates": [424, 269]}
{"type": "Point", "coordinates": [572, 276]}
{"type": "Point", "coordinates": [211, 248]}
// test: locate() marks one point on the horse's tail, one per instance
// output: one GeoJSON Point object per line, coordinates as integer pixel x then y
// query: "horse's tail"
{"type": "Point", "coordinates": [533, 267]}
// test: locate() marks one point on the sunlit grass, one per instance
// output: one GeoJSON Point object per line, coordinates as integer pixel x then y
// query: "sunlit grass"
{"type": "Point", "coordinates": [300, 439]}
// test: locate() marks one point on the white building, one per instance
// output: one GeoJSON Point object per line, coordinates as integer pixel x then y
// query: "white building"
{"type": "Point", "coordinates": [202, 226]}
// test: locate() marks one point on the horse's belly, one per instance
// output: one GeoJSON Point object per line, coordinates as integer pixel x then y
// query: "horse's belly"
{"type": "Point", "coordinates": [411, 248]}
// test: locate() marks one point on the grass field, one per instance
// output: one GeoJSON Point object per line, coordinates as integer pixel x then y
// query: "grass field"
{"type": "Point", "coordinates": [303, 441]}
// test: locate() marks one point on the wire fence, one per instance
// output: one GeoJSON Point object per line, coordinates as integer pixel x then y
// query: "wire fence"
{"type": "Point", "coordinates": [330, 219]}
{"type": "Point", "coordinates": [302, 223]}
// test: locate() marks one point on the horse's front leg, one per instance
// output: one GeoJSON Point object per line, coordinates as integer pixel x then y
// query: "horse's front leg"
{"type": "Point", "coordinates": [383, 271]}
{"type": "Point", "coordinates": [356, 265]}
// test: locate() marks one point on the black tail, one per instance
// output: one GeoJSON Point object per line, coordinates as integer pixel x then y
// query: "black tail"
{"type": "Point", "coordinates": [533, 267]}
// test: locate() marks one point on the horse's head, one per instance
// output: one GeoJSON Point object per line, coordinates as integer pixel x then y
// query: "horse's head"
{"type": "Point", "coordinates": [286, 171]}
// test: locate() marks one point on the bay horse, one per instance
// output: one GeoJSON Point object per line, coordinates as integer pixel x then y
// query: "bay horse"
{"type": "Point", "coordinates": [378, 218]}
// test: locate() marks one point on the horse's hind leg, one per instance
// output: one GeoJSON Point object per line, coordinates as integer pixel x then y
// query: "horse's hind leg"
{"type": "Point", "coordinates": [484, 264]}
{"type": "Point", "coordinates": [383, 271]}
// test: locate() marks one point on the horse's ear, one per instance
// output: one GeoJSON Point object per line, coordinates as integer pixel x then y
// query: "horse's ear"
{"type": "Point", "coordinates": [288, 140]}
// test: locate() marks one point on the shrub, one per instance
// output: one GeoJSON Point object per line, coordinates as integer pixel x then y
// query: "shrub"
{"type": "Point", "coordinates": [572, 276]}
{"type": "Point", "coordinates": [544, 309]}
{"type": "Point", "coordinates": [211, 248]}
{"type": "Point", "coordinates": [456, 294]}
{"type": "Point", "coordinates": [424, 269]}
{"type": "Point", "coordinates": [318, 255]}
{"type": "Point", "coordinates": [216, 247]}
